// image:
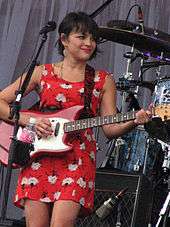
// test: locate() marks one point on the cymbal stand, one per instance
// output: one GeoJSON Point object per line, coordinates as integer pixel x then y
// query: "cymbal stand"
{"type": "Point", "coordinates": [165, 211]}
{"type": "Point", "coordinates": [127, 76]}
{"type": "Point", "coordinates": [158, 71]}
{"type": "Point", "coordinates": [140, 75]}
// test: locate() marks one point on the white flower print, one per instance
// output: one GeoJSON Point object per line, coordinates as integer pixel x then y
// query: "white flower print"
{"type": "Point", "coordinates": [72, 167]}
{"type": "Point", "coordinates": [48, 86]}
{"type": "Point", "coordinates": [67, 181]}
{"type": "Point", "coordinates": [82, 201]}
{"type": "Point", "coordinates": [96, 93]}
{"type": "Point", "coordinates": [42, 85]}
{"type": "Point", "coordinates": [97, 78]}
{"type": "Point", "coordinates": [74, 192]}
{"type": "Point", "coordinates": [24, 181]}
{"type": "Point", "coordinates": [82, 146]}
{"type": "Point", "coordinates": [81, 90]}
{"type": "Point", "coordinates": [88, 136]}
{"type": "Point", "coordinates": [90, 183]}
{"type": "Point", "coordinates": [52, 179]}
{"type": "Point", "coordinates": [57, 195]}
{"type": "Point", "coordinates": [81, 182]}
{"type": "Point", "coordinates": [61, 98]}
{"type": "Point", "coordinates": [92, 155]}
{"type": "Point", "coordinates": [80, 162]}
{"type": "Point", "coordinates": [35, 165]}
{"type": "Point", "coordinates": [44, 72]}
{"type": "Point", "coordinates": [33, 180]}
{"type": "Point", "coordinates": [46, 200]}
{"type": "Point", "coordinates": [66, 86]}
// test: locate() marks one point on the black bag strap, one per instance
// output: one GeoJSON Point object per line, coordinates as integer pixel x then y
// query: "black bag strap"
{"type": "Point", "coordinates": [88, 88]}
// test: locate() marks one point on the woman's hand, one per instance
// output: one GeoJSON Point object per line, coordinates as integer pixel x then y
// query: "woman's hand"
{"type": "Point", "coordinates": [43, 127]}
{"type": "Point", "coordinates": [142, 117]}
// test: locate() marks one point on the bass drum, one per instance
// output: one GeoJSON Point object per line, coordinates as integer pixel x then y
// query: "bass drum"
{"type": "Point", "coordinates": [137, 153]}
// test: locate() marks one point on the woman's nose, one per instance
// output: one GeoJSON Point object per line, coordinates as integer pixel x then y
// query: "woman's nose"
{"type": "Point", "coordinates": [88, 41]}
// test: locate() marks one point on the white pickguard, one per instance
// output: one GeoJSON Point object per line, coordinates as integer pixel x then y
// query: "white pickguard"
{"type": "Point", "coordinates": [51, 143]}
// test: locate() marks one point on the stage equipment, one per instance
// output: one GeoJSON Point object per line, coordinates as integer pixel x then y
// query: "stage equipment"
{"type": "Point", "coordinates": [133, 210]}
{"type": "Point", "coordinates": [137, 154]}
{"type": "Point", "coordinates": [124, 33]}
{"type": "Point", "coordinates": [159, 127]}
{"type": "Point", "coordinates": [164, 215]}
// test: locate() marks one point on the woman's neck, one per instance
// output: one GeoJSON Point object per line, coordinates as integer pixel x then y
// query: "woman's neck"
{"type": "Point", "coordinates": [71, 70]}
{"type": "Point", "coordinates": [74, 64]}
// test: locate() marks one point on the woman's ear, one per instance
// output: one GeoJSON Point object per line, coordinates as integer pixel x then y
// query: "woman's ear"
{"type": "Point", "coordinates": [63, 39]}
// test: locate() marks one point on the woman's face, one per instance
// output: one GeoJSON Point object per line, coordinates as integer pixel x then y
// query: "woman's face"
{"type": "Point", "coordinates": [79, 46]}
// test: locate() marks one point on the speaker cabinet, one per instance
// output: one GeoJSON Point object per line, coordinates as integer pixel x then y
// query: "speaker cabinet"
{"type": "Point", "coordinates": [133, 209]}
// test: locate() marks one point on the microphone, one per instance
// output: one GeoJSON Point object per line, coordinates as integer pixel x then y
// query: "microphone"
{"type": "Point", "coordinates": [51, 26]}
{"type": "Point", "coordinates": [140, 20]}
{"type": "Point", "coordinates": [110, 205]}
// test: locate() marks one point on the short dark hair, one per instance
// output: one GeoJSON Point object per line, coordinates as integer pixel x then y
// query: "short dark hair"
{"type": "Point", "coordinates": [78, 21]}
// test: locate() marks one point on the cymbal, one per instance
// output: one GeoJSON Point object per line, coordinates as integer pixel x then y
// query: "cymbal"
{"type": "Point", "coordinates": [131, 26]}
{"type": "Point", "coordinates": [142, 42]}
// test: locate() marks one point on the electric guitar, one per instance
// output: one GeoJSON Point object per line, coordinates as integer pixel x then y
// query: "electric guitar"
{"type": "Point", "coordinates": [63, 123]}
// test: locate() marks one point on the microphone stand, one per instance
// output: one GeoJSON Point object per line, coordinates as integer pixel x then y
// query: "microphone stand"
{"type": "Point", "coordinates": [100, 9]}
{"type": "Point", "coordinates": [14, 113]}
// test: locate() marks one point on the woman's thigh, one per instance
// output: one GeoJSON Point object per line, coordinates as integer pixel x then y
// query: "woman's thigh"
{"type": "Point", "coordinates": [64, 213]}
{"type": "Point", "coordinates": [37, 213]}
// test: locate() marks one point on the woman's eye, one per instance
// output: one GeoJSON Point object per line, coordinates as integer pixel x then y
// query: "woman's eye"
{"type": "Point", "coordinates": [81, 36]}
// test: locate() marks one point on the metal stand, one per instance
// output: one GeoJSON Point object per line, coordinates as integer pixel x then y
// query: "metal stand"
{"type": "Point", "coordinates": [165, 211]}
{"type": "Point", "coordinates": [15, 108]}
{"type": "Point", "coordinates": [127, 76]}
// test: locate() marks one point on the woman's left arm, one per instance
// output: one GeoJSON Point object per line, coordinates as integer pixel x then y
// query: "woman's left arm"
{"type": "Point", "coordinates": [108, 107]}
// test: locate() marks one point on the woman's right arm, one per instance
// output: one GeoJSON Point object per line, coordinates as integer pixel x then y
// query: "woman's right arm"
{"type": "Point", "coordinates": [7, 96]}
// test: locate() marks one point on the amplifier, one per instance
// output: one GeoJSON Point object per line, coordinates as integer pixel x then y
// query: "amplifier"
{"type": "Point", "coordinates": [133, 209]}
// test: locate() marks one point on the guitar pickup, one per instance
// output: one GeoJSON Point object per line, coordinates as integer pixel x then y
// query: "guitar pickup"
{"type": "Point", "coordinates": [57, 129]}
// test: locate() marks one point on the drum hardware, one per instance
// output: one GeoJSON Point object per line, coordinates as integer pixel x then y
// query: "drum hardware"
{"type": "Point", "coordinates": [131, 26]}
{"type": "Point", "coordinates": [151, 64]}
{"type": "Point", "coordinates": [159, 126]}
{"type": "Point", "coordinates": [112, 156]}
{"type": "Point", "coordinates": [150, 41]}
{"type": "Point", "coordinates": [115, 155]}
{"type": "Point", "coordinates": [166, 162]}
{"type": "Point", "coordinates": [124, 84]}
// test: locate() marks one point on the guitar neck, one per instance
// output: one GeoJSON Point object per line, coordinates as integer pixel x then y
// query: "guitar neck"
{"type": "Point", "coordinates": [98, 121]}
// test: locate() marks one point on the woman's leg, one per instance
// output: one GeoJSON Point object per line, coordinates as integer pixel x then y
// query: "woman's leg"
{"type": "Point", "coordinates": [64, 213]}
{"type": "Point", "coordinates": [37, 213]}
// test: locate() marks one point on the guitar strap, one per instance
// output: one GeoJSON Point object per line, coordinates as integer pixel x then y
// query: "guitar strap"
{"type": "Point", "coordinates": [88, 89]}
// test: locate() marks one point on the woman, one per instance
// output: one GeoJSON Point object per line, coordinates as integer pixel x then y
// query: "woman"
{"type": "Point", "coordinates": [54, 190]}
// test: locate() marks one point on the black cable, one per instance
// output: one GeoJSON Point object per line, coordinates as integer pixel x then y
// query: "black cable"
{"type": "Point", "coordinates": [130, 12]}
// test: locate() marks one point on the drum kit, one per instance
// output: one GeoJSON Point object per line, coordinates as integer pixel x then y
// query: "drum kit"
{"type": "Point", "coordinates": [145, 150]}
{"type": "Point", "coordinates": [150, 44]}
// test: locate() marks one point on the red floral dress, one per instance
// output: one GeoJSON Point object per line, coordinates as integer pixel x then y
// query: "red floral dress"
{"type": "Point", "coordinates": [71, 176]}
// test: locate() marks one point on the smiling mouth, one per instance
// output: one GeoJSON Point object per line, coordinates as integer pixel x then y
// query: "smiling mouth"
{"type": "Point", "coordinates": [87, 50]}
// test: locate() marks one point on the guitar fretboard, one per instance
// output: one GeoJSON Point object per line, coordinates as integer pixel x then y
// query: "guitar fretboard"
{"type": "Point", "coordinates": [98, 121]}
